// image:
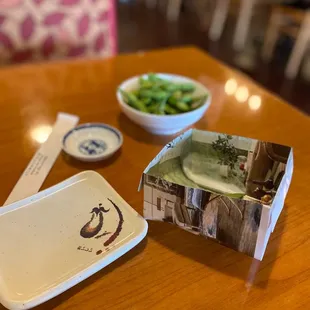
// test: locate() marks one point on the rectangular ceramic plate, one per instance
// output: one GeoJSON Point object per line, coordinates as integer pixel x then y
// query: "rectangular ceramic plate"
{"type": "Point", "coordinates": [60, 236]}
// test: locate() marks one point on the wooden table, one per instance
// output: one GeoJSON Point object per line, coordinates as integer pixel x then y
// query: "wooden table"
{"type": "Point", "coordinates": [170, 269]}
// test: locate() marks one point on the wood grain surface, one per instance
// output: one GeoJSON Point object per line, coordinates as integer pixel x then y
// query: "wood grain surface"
{"type": "Point", "coordinates": [170, 269]}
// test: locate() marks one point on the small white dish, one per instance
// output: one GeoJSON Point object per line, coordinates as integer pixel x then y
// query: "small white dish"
{"type": "Point", "coordinates": [57, 238]}
{"type": "Point", "coordinates": [92, 142]}
{"type": "Point", "coordinates": [164, 124]}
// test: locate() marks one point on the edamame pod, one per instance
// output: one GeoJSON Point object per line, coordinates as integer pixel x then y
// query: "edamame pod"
{"type": "Point", "coordinates": [187, 87]}
{"type": "Point", "coordinates": [186, 98]}
{"type": "Point", "coordinates": [182, 106]}
{"type": "Point", "coordinates": [170, 110]}
{"type": "Point", "coordinates": [133, 101]}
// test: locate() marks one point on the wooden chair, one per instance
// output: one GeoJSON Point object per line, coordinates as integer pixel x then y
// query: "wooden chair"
{"type": "Point", "coordinates": [244, 14]}
{"type": "Point", "coordinates": [218, 19]}
{"type": "Point", "coordinates": [243, 23]}
{"type": "Point", "coordinates": [173, 7]}
{"type": "Point", "coordinates": [294, 23]}
{"type": "Point", "coordinates": [33, 30]}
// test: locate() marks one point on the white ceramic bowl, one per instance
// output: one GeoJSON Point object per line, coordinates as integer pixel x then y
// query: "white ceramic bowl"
{"type": "Point", "coordinates": [164, 124]}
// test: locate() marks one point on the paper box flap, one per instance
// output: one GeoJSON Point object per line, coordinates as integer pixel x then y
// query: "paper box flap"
{"type": "Point", "coordinates": [170, 150]}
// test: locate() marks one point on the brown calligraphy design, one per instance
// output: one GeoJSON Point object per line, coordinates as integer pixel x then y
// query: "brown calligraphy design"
{"type": "Point", "coordinates": [94, 226]}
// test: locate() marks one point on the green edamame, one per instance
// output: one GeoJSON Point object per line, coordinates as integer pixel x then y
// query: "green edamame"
{"type": "Point", "coordinates": [158, 96]}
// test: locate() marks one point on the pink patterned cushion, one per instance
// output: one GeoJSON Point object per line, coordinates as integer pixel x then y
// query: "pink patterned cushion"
{"type": "Point", "coordinates": [51, 29]}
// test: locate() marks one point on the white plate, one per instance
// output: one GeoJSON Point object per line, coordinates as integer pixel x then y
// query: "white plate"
{"type": "Point", "coordinates": [47, 245]}
{"type": "Point", "coordinates": [92, 141]}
